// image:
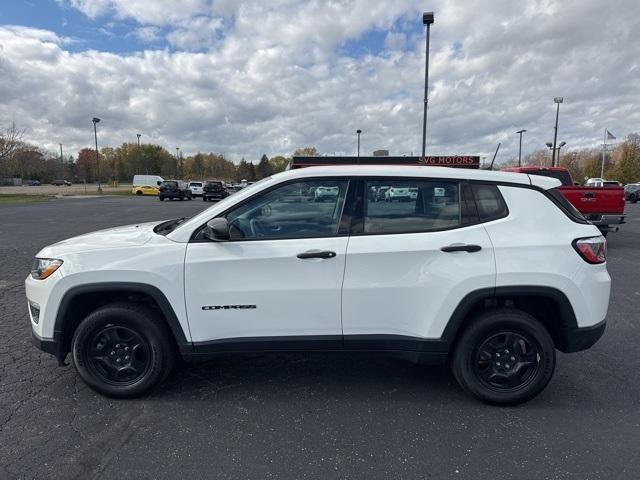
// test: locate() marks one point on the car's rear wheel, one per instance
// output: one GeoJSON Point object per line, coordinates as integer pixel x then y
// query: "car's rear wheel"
{"type": "Point", "coordinates": [504, 357]}
{"type": "Point", "coordinates": [139, 192]}
{"type": "Point", "coordinates": [122, 350]}
{"type": "Point", "coordinates": [161, 198]}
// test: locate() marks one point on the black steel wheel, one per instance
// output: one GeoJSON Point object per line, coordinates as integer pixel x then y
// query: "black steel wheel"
{"type": "Point", "coordinates": [503, 357]}
{"type": "Point", "coordinates": [117, 355]}
{"type": "Point", "coordinates": [122, 350]}
{"type": "Point", "coordinates": [507, 360]}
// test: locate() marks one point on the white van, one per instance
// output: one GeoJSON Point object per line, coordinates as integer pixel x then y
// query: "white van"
{"type": "Point", "coordinates": [150, 180]}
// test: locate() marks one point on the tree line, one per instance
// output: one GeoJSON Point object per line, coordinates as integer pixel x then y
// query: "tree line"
{"type": "Point", "coordinates": [29, 162]}
{"type": "Point", "coordinates": [19, 159]}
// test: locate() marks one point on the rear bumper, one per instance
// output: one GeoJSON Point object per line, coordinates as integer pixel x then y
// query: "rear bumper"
{"type": "Point", "coordinates": [606, 219]}
{"type": "Point", "coordinates": [583, 338]}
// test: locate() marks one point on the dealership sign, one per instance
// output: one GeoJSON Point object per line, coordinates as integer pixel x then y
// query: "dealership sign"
{"type": "Point", "coordinates": [464, 161]}
{"type": "Point", "coordinates": [458, 161]}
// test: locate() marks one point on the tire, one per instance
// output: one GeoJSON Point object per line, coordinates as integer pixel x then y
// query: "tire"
{"type": "Point", "coordinates": [161, 198]}
{"type": "Point", "coordinates": [633, 198]}
{"type": "Point", "coordinates": [204, 199]}
{"type": "Point", "coordinates": [504, 335]}
{"type": "Point", "coordinates": [133, 328]}
{"type": "Point", "coordinates": [139, 192]}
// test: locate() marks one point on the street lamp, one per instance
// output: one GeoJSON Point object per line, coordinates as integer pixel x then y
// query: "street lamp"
{"type": "Point", "coordinates": [557, 101]}
{"type": "Point", "coordinates": [427, 19]}
{"type": "Point", "coordinates": [554, 149]}
{"type": "Point", "coordinates": [358, 132]}
{"type": "Point", "coordinates": [562, 144]}
{"type": "Point", "coordinates": [520, 149]}
{"type": "Point", "coordinates": [95, 133]}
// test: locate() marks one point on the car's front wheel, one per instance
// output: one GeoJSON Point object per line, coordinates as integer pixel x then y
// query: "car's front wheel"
{"type": "Point", "coordinates": [122, 350]}
{"type": "Point", "coordinates": [504, 357]}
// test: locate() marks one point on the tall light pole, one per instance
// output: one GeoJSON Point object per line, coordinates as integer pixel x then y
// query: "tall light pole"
{"type": "Point", "coordinates": [427, 19]}
{"type": "Point", "coordinates": [95, 133]}
{"type": "Point", "coordinates": [557, 101]}
{"type": "Point", "coordinates": [138, 162]}
{"type": "Point", "coordinates": [178, 160]}
{"type": "Point", "coordinates": [520, 149]}
{"type": "Point", "coordinates": [358, 132]}
{"type": "Point", "coordinates": [61, 164]}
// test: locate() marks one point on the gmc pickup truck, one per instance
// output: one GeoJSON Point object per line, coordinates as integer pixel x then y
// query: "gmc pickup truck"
{"type": "Point", "coordinates": [602, 206]}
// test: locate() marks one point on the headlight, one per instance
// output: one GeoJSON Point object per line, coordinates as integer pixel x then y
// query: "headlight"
{"type": "Point", "coordinates": [44, 267]}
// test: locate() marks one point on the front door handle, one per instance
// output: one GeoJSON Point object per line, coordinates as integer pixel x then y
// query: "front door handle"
{"type": "Point", "coordinates": [461, 248]}
{"type": "Point", "coordinates": [316, 254]}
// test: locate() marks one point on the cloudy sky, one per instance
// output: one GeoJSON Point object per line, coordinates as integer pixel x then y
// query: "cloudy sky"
{"type": "Point", "coordinates": [250, 77]}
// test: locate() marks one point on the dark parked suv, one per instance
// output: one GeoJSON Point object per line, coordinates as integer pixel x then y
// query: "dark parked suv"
{"type": "Point", "coordinates": [632, 192]}
{"type": "Point", "coordinates": [214, 190]}
{"type": "Point", "coordinates": [174, 189]}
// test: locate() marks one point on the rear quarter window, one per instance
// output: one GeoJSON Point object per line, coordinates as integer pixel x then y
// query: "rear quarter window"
{"type": "Point", "coordinates": [489, 202]}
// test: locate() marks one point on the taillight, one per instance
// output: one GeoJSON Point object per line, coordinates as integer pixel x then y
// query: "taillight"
{"type": "Point", "coordinates": [592, 249]}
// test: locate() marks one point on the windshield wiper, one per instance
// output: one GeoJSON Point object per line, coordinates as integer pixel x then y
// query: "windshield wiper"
{"type": "Point", "coordinates": [169, 226]}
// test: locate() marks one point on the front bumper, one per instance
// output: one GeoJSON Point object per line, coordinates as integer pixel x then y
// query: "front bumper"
{"type": "Point", "coordinates": [49, 345]}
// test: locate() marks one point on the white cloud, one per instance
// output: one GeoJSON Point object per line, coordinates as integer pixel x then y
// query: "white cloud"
{"type": "Point", "coordinates": [252, 77]}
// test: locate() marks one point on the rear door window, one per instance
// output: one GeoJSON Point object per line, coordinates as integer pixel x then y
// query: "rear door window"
{"type": "Point", "coordinates": [409, 206]}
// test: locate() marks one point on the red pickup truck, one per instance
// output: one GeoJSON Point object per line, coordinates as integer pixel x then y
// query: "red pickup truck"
{"type": "Point", "coordinates": [602, 206]}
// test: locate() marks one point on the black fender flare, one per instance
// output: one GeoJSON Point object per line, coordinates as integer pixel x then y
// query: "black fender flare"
{"type": "Point", "coordinates": [155, 293]}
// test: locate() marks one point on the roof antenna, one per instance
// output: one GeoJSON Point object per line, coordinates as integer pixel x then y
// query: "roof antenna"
{"type": "Point", "coordinates": [494, 157]}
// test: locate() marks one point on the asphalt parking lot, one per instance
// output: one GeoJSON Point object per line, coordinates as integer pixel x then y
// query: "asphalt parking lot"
{"type": "Point", "coordinates": [299, 416]}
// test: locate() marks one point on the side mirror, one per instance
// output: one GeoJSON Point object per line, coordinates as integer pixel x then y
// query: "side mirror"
{"type": "Point", "coordinates": [217, 230]}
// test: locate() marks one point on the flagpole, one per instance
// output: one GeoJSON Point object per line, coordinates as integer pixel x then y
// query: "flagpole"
{"type": "Point", "coordinates": [604, 149]}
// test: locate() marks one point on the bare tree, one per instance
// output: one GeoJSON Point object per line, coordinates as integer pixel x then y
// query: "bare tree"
{"type": "Point", "coordinates": [10, 140]}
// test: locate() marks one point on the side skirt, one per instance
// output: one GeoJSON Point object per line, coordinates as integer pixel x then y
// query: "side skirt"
{"type": "Point", "coordinates": [414, 349]}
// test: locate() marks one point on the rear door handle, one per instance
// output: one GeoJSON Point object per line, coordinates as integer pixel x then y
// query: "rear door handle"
{"type": "Point", "coordinates": [316, 254]}
{"type": "Point", "coordinates": [461, 248]}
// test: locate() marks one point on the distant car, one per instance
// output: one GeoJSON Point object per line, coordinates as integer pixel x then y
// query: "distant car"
{"type": "Point", "coordinates": [60, 183]}
{"type": "Point", "coordinates": [599, 182]}
{"type": "Point", "coordinates": [632, 192]}
{"type": "Point", "coordinates": [34, 183]}
{"type": "Point", "coordinates": [214, 190]}
{"type": "Point", "coordinates": [322, 194]}
{"type": "Point", "coordinates": [145, 190]}
{"type": "Point", "coordinates": [196, 188]}
{"type": "Point", "coordinates": [174, 189]}
{"type": "Point", "coordinates": [401, 194]}
{"type": "Point", "coordinates": [380, 193]}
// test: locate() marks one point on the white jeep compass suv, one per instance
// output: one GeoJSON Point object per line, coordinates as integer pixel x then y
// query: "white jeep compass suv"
{"type": "Point", "coordinates": [490, 271]}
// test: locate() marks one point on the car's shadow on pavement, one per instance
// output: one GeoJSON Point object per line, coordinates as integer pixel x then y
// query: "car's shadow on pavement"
{"type": "Point", "coordinates": [281, 376]}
